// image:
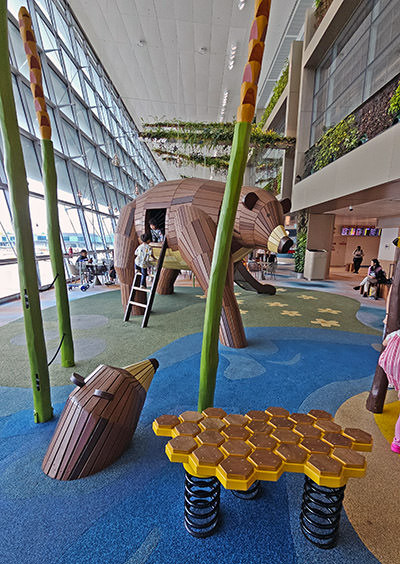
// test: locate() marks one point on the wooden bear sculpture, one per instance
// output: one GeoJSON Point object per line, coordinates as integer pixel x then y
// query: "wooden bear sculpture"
{"type": "Point", "coordinates": [188, 211]}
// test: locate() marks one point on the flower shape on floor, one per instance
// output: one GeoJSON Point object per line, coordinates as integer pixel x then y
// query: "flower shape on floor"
{"type": "Point", "coordinates": [326, 323]}
{"type": "Point", "coordinates": [329, 310]}
{"type": "Point", "coordinates": [291, 313]}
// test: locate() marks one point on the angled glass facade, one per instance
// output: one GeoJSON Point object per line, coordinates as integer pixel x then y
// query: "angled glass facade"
{"type": "Point", "coordinates": [101, 162]}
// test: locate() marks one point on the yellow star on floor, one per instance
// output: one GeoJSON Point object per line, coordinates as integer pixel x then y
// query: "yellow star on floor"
{"type": "Point", "coordinates": [202, 296]}
{"type": "Point", "coordinates": [238, 293]}
{"type": "Point", "coordinates": [243, 311]}
{"type": "Point", "coordinates": [306, 297]}
{"type": "Point", "coordinates": [326, 322]}
{"type": "Point", "coordinates": [281, 290]}
{"type": "Point", "coordinates": [277, 304]}
{"type": "Point", "coordinates": [240, 301]}
{"type": "Point", "coordinates": [291, 313]}
{"type": "Point", "coordinates": [329, 310]}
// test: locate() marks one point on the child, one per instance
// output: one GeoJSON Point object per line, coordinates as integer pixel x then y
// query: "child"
{"type": "Point", "coordinates": [143, 256]}
{"type": "Point", "coordinates": [390, 362]}
{"type": "Point", "coordinates": [156, 233]}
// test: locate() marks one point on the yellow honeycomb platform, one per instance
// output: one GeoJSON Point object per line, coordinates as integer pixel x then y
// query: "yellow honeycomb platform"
{"type": "Point", "coordinates": [262, 445]}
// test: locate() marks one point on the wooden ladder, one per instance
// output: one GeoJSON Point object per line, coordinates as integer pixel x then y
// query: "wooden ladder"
{"type": "Point", "coordinates": [151, 292]}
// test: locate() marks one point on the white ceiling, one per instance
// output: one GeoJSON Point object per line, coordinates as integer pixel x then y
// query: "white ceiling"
{"type": "Point", "coordinates": [169, 58]}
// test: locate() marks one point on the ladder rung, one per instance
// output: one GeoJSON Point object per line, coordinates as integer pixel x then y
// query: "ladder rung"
{"type": "Point", "coordinates": [138, 304]}
{"type": "Point", "coordinates": [141, 289]}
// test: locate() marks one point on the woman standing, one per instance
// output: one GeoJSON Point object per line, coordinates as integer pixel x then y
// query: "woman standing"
{"type": "Point", "coordinates": [358, 256]}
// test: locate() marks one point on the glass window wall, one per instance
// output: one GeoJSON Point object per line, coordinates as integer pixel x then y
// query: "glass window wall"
{"type": "Point", "coordinates": [363, 58]}
{"type": "Point", "coordinates": [90, 125]}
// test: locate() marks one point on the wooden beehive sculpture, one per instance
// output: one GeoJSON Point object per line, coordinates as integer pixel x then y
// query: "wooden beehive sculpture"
{"type": "Point", "coordinates": [98, 420]}
{"type": "Point", "coordinates": [188, 211]}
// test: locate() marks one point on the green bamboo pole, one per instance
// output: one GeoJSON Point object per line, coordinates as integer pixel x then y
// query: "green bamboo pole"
{"type": "Point", "coordinates": [56, 254]}
{"type": "Point", "coordinates": [220, 263]}
{"type": "Point", "coordinates": [223, 239]}
{"type": "Point", "coordinates": [50, 187]}
{"type": "Point", "coordinates": [19, 195]}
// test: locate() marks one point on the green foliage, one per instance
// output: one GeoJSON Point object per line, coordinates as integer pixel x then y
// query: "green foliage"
{"type": "Point", "coordinates": [394, 106]}
{"type": "Point", "coordinates": [274, 185]}
{"type": "Point", "coordinates": [337, 141]}
{"type": "Point", "coordinates": [211, 135]}
{"type": "Point", "coordinates": [279, 87]}
{"type": "Point", "coordinates": [317, 4]}
{"type": "Point", "coordinates": [300, 253]}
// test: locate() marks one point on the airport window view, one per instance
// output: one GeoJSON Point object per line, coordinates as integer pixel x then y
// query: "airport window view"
{"type": "Point", "coordinates": [101, 163]}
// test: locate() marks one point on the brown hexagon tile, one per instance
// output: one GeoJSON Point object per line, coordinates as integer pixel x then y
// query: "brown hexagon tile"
{"type": "Point", "coordinates": [167, 421]}
{"type": "Point", "coordinates": [236, 448]}
{"type": "Point", "coordinates": [349, 458]}
{"type": "Point", "coordinates": [235, 419]}
{"type": "Point", "coordinates": [313, 446]}
{"type": "Point", "coordinates": [206, 455]}
{"type": "Point", "coordinates": [291, 453]}
{"type": "Point", "coordinates": [262, 441]}
{"type": "Point", "coordinates": [337, 440]}
{"type": "Point", "coordinates": [191, 417]}
{"type": "Point", "coordinates": [320, 414]}
{"type": "Point", "coordinates": [182, 444]}
{"type": "Point", "coordinates": [324, 465]}
{"type": "Point", "coordinates": [235, 432]}
{"type": "Point", "coordinates": [187, 429]}
{"type": "Point", "coordinates": [265, 460]}
{"type": "Point", "coordinates": [214, 412]}
{"type": "Point", "coordinates": [327, 426]}
{"type": "Point", "coordinates": [212, 424]}
{"type": "Point", "coordinates": [257, 426]}
{"type": "Point", "coordinates": [257, 415]}
{"type": "Point", "coordinates": [277, 411]}
{"type": "Point", "coordinates": [210, 438]}
{"type": "Point", "coordinates": [305, 430]}
{"type": "Point", "coordinates": [301, 418]}
{"type": "Point", "coordinates": [234, 467]}
{"type": "Point", "coordinates": [358, 436]}
{"type": "Point", "coordinates": [285, 436]}
{"type": "Point", "coordinates": [281, 422]}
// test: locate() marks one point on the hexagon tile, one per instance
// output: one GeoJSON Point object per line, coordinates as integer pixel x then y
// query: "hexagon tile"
{"type": "Point", "coordinates": [261, 445]}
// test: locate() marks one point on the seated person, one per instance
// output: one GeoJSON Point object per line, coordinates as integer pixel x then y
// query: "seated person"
{"type": "Point", "coordinates": [374, 276]}
{"type": "Point", "coordinates": [83, 258]}
{"type": "Point", "coordinates": [155, 232]}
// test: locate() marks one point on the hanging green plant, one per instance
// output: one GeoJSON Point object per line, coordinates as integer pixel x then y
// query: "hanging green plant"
{"type": "Point", "coordinates": [394, 105]}
{"type": "Point", "coordinates": [212, 135]}
{"type": "Point", "coordinates": [219, 164]}
{"type": "Point", "coordinates": [279, 87]}
{"type": "Point", "coordinates": [337, 141]}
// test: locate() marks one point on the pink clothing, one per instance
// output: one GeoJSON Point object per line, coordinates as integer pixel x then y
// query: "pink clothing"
{"type": "Point", "coordinates": [390, 359]}
{"type": "Point", "coordinates": [390, 362]}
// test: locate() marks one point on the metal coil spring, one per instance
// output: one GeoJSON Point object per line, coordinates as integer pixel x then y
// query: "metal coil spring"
{"type": "Point", "coordinates": [251, 493]}
{"type": "Point", "coordinates": [320, 513]}
{"type": "Point", "coordinates": [202, 497]}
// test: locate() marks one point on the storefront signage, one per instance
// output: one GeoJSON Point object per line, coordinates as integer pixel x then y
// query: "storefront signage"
{"type": "Point", "coordinates": [361, 231]}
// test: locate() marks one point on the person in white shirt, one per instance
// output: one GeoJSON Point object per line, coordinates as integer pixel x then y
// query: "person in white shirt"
{"type": "Point", "coordinates": [144, 255]}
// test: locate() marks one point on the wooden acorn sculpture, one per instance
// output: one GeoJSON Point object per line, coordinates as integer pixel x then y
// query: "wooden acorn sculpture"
{"type": "Point", "coordinates": [98, 420]}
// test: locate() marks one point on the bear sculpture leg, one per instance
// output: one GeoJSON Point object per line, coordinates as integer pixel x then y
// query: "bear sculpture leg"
{"type": "Point", "coordinates": [167, 281]}
{"type": "Point", "coordinates": [196, 235]}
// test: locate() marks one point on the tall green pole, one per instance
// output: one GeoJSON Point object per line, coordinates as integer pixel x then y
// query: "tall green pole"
{"type": "Point", "coordinates": [18, 187]}
{"type": "Point", "coordinates": [50, 186]}
{"type": "Point", "coordinates": [223, 239]}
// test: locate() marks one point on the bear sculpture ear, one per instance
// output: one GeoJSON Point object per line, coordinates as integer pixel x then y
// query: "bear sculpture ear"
{"type": "Point", "coordinates": [286, 205]}
{"type": "Point", "coordinates": [250, 200]}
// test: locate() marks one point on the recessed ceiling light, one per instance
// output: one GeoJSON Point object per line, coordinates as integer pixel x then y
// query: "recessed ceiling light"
{"type": "Point", "coordinates": [203, 50]}
{"type": "Point", "coordinates": [141, 43]}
